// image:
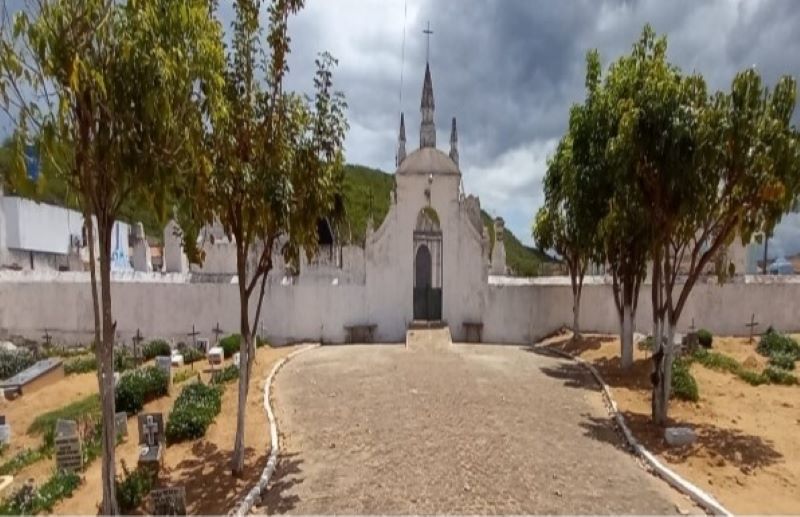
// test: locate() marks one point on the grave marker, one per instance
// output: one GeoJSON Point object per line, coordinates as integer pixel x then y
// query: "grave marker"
{"type": "Point", "coordinates": [5, 430]}
{"type": "Point", "coordinates": [137, 353]}
{"type": "Point", "coordinates": [217, 332]}
{"type": "Point", "coordinates": [168, 501]}
{"type": "Point", "coordinates": [193, 334]}
{"type": "Point", "coordinates": [121, 423]}
{"type": "Point", "coordinates": [151, 439]}
{"type": "Point", "coordinates": [753, 324]}
{"type": "Point", "coordinates": [164, 363]}
{"type": "Point", "coordinates": [215, 356]}
{"type": "Point", "coordinates": [68, 446]}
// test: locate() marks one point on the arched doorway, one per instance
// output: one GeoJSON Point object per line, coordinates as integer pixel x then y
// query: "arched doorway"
{"type": "Point", "coordinates": [427, 266]}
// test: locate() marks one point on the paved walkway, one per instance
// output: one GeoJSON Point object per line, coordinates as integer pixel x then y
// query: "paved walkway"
{"type": "Point", "coordinates": [474, 430]}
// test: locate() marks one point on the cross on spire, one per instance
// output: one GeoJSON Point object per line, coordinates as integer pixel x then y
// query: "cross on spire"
{"type": "Point", "coordinates": [428, 33]}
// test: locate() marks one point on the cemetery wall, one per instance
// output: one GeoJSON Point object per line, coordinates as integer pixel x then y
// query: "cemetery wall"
{"type": "Point", "coordinates": [512, 311]}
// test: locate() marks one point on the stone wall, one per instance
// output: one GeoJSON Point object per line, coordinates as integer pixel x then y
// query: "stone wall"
{"type": "Point", "coordinates": [512, 311]}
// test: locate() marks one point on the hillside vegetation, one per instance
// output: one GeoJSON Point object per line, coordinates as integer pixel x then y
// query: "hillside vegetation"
{"type": "Point", "coordinates": [367, 191]}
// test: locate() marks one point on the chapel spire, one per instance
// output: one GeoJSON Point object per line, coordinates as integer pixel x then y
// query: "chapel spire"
{"type": "Point", "coordinates": [454, 143]}
{"type": "Point", "coordinates": [401, 142]}
{"type": "Point", "coordinates": [427, 130]}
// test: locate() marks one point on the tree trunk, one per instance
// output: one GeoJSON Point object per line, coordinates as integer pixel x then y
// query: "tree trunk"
{"type": "Point", "coordinates": [105, 355]}
{"type": "Point", "coordinates": [237, 462]}
{"type": "Point", "coordinates": [576, 315]}
{"type": "Point", "coordinates": [627, 335]}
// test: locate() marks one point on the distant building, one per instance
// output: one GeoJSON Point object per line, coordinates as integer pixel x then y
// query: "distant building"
{"type": "Point", "coordinates": [38, 236]}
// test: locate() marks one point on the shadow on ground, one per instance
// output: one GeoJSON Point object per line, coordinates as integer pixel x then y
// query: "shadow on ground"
{"type": "Point", "coordinates": [286, 475]}
{"type": "Point", "coordinates": [210, 487]}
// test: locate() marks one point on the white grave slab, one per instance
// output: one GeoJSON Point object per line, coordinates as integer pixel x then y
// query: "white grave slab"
{"type": "Point", "coordinates": [216, 355]}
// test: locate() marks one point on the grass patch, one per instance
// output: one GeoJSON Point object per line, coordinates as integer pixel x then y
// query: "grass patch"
{"type": "Point", "coordinates": [183, 375]}
{"type": "Point", "coordinates": [772, 343]}
{"type": "Point", "coordinates": [29, 500]}
{"type": "Point", "coordinates": [80, 364]}
{"type": "Point", "coordinates": [192, 355]}
{"type": "Point", "coordinates": [194, 410]}
{"type": "Point", "coordinates": [85, 409]}
{"type": "Point", "coordinates": [779, 376]}
{"type": "Point", "coordinates": [721, 362]}
{"type": "Point", "coordinates": [226, 375]}
{"type": "Point", "coordinates": [22, 459]}
{"type": "Point", "coordinates": [782, 360]}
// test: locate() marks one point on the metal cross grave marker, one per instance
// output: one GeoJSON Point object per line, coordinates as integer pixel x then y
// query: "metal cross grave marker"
{"type": "Point", "coordinates": [753, 323]}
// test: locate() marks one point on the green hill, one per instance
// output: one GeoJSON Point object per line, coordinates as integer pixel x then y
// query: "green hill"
{"type": "Point", "coordinates": [367, 191]}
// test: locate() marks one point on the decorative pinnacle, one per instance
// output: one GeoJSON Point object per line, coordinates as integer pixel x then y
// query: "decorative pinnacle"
{"type": "Point", "coordinates": [427, 133]}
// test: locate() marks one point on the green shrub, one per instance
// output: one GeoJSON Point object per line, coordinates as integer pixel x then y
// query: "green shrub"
{"type": "Point", "coordinates": [716, 361]}
{"type": "Point", "coordinates": [87, 408]}
{"type": "Point", "coordinates": [80, 364]}
{"type": "Point", "coordinates": [192, 355]}
{"type": "Point", "coordinates": [684, 386]}
{"type": "Point", "coordinates": [230, 344]}
{"type": "Point", "coordinates": [226, 375]}
{"type": "Point", "coordinates": [779, 376]}
{"type": "Point", "coordinates": [705, 338]}
{"type": "Point", "coordinates": [28, 500]}
{"type": "Point", "coordinates": [646, 343]}
{"type": "Point", "coordinates": [138, 387]}
{"type": "Point", "coordinates": [13, 362]}
{"type": "Point", "coordinates": [194, 410]}
{"type": "Point", "coordinates": [123, 360]}
{"type": "Point", "coordinates": [782, 360]}
{"type": "Point", "coordinates": [772, 343]}
{"type": "Point", "coordinates": [132, 488]}
{"type": "Point", "coordinates": [155, 348]}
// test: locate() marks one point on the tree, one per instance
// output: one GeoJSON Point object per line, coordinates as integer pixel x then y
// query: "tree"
{"type": "Point", "coordinates": [564, 224]}
{"type": "Point", "coordinates": [277, 168]}
{"type": "Point", "coordinates": [708, 168]}
{"type": "Point", "coordinates": [108, 91]}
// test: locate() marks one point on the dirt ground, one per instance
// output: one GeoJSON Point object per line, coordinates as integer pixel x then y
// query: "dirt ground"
{"type": "Point", "coordinates": [202, 466]}
{"type": "Point", "coordinates": [463, 429]}
{"type": "Point", "coordinates": [746, 454]}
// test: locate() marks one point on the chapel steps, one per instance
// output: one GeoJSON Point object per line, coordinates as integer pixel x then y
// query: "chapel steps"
{"type": "Point", "coordinates": [428, 336]}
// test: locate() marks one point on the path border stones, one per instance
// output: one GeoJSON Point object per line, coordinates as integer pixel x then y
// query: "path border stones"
{"type": "Point", "coordinates": [696, 494]}
{"type": "Point", "coordinates": [246, 504]}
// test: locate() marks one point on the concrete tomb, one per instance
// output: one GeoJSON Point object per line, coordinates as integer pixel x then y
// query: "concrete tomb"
{"type": "Point", "coordinates": [164, 363]}
{"type": "Point", "coordinates": [121, 423]}
{"type": "Point", "coordinates": [152, 440]}
{"type": "Point", "coordinates": [168, 501]}
{"type": "Point", "coordinates": [177, 358]}
{"type": "Point", "coordinates": [237, 359]}
{"type": "Point", "coordinates": [679, 436]}
{"type": "Point", "coordinates": [69, 456]}
{"type": "Point", "coordinates": [41, 374]}
{"type": "Point", "coordinates": [215, 356]}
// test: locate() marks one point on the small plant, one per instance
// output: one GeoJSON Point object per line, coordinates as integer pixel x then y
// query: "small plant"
{"type": "Point", "coordinates": [192, 355]}
{"type": "Point", "coordinates": [226, 375]}
{"type": "Point", "coordinates": [717, 361]}
{"type": "Point", "coordinates": [753, 378]}
{"type": "Point", "coordinates": [13, 362]}
{"type": "Point", "coordinates": [684, 385]}
{"type": "Point", "coordinates": [138, 387]}
{"type": "Point", "coordinates": [28, 500]}
{"type": "Point", "coordinates": [782, 360]}
{"type": "Point", "coordinates": [779, 376]}
{"type": "Point", "coordinates": [773, 342]}
{"type": "Point", "coordinates": [183, 375]}
{"type": "Point", "coordinates": [705, 338]}
{"type": "Point", "coordinates": [80, 364]}
{"type": "Point", "coordinates": [132, 487]}
{"type": "Point", "coordinates": [230, 344]}
{"type": "Point", "coordinates": [261, 342]}
{"type": "Point", "coordinates": [194, 410]}
{"type": "Point", "coordinates": [155, 348]}
{"type": "Point", "coordinates": [646, 344]}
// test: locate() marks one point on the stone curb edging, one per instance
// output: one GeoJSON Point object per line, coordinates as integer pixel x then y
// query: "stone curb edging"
{"type": "Point", "coordinates": [696, 494]}
{"type": "Point", "coordinates": [246, 504]}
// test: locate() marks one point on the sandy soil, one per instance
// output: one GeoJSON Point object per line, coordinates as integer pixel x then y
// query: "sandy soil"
{"type": "Point", "coordinates": [746, 454]}
{"type": "Point", "coordinates": [202, 466]}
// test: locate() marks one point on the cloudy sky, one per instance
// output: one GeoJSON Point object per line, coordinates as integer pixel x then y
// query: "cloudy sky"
{"type": "Point", "coordinates": [509, 70]}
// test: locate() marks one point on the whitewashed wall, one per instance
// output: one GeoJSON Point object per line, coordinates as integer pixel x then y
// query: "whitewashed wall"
{"type": "Point", "coordinates": [168, 306]}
